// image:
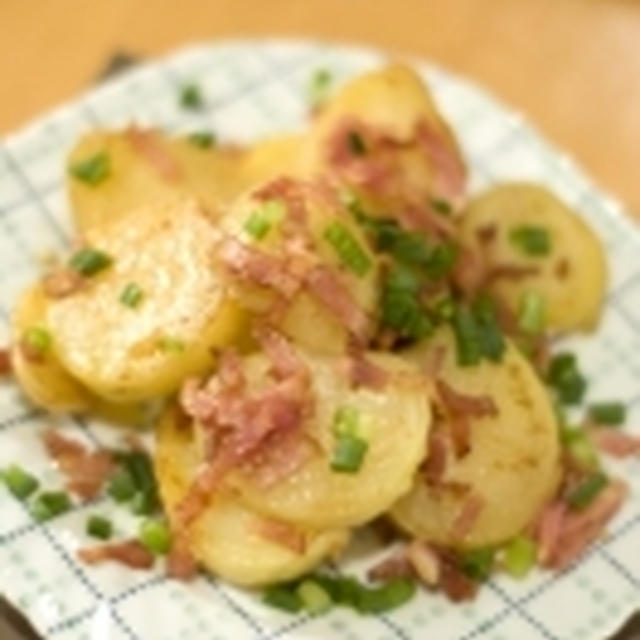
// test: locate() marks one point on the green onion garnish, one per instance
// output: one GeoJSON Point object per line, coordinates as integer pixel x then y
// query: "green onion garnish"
{"type": "Point", "coordinates": [356, 144]}
{"type": "Point", "coordinates": [478, 563]}
{"type": "Point", "coordinates": [468, 336]}
{"type": "Point", "coordinates": [346, 420]}
{"type": "Point", "coordinates": [282, 597]}
{"type": "Point", "coordinates": [99, 527]}
{"type": "Point", "coordinates": [319, 87]}
{"type": "Point", "coordinates": [566, 379]}
{"type": "Point", "coordinates": [489, 332]}
{"type": "Point", "coordinates": [49, 504]}
{"type": "Point", "coordinates": [19, 482]}
{"type": "Point", "coordinates": [202, 139]}
{"type": "Point", "coordinates": [315, 599]}
{"type": "Point", "coordinates": [444, 309]}
{"type": "Point", "coordinates": [443, 258]}
{"type": "Point", "coordinates": [122, 485]}
{"type": "Point", "coordinates": [263, 218]}
{"type": "Point", "coordinates": [191, 97]}
{"type": "Point", "coordinates": [531, 240]}
{"type": "Point", "coordinates": [348, 249]}
{"type": "Point", "coordinates": [531, 317]}
{"type": "Point", "coordinates": [36, 340]}
{"type": "Point", "coordinates": [608, 413]}
{"type": "Point", "coordinates": [155, 536]}
{"type": "Point", "coordinates": [390, 595]}
{"type": "Point", "coordinates": [169, 344]}
{"type": "Point", "coordinates": [89, 261]}
{"type": "Point", "coordinates": [92, 170]}
{"type": "Point", "coordinates": [520, 556]}
{"type": "Point", "coordinates": [580, 447]}
{"type": "Point", "coordinates": [348, 453]}
{"type": "Point", "coordinates": [584, 494]}
{"type": "Point", "coordinates": [131, 295]}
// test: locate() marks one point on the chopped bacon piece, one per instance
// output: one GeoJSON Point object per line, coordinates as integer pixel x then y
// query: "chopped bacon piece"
{"type": "Point", "coordinates": [30, 353]}
{"type": "Point", "coordinates": [434, 360]}
{"type": "Point", "coordinates": [62, 282]}
{"type": "Point", "coordinates": [181, 565]}
{"type": "Point", "coordinates": [561, 269]}
{"type": "Point", "coordinates": [425, 562]}
{"type": "Point", "coordinates": [456, 584]}
{"type": "Point", "coordinates": [469, 272]}
{"type": "Point", "coordinates": [397, 565]}
{"type": "Point", "coordinates": [5, 362]}
{"type": "Point", "coordinates": [130, 553]}
{"type": "Point", "coordinates": [147, 144]}
{"type": "Point", "coordinates": [548, 530]}
{"type": "Point", "coordinates": [615, 443]}
{"type": "Point", "coordinates": [476, 406]}
{"type": "Point", "coordinates": [425, 218]}
{"type": "Point", "coordinates": [487, 233]}
{"type": "Point", "coordinates": [435, 465]}
{"type": "Point", "coordinates": [283, 534]}
{"type": "Point", "coordinates": [326, 287]}
{"type": "Point", "coordinates": [465, 520]}
{"type": "Point", "coordinates": [86, 470]}
{"type": "Point", "coordinates": [290, 191]}
{"type": "Point", "coordinates": [362, 372]}
{"type": "Point", "coordinates": [508, 271]}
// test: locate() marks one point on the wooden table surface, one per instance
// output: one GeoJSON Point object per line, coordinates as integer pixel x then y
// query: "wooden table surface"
{"type": "Point", "coordinates": [573, 66]}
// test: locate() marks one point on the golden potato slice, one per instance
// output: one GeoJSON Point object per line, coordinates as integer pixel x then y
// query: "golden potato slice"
{"type": "Point", "coordinates": [393, 421]}
{"type": "Point", "coordinates": [270, 157]}
{"type": "Point", "coordinates": [571, 277]}
{"type": "Point", "coordinates": [147, 167]}
{"type": "Point", "coordinates": [405, 140]}
{"type": "Point", "coordinates": [226, 539]}
{"type": "Point", "coordinates": [308, 320]}
{"type": "Point", "coordinates": [126, 354]}
{"type": "Point", "coordinates": [513, 465]}
{"type": "Point", "coordinates": [45, 382]}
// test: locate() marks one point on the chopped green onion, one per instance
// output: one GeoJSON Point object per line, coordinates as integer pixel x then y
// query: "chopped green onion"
{"type": "Point", "coordinates": [579, 447]}
{"type": "Point", "coordinates": [131, 295]}
{"type": "Point", "coordinates": [155, 536]}
{"type": "Point", "coordinates": [122, 485]}
{"type": "Point", "coordinates": [144, 503]}
{"type": "Point", "coordinates": [19, 482]}
{"type": "Point", "coordinates": [346, 420]}
{"type": "Point", "coordinates": [356, 144]}
{"type": "Point", "coordinates": [489, 331]}
{"type": "Point", "coordinates": [608, 413]}
{"type": "Point", "coordinates": [390, 595]}
{"type": "Point", "coordinates": [191, 97]}
{"type": "Point", "coordinates": [445, 308]}
{"type": "Point", "coordinates": [441, 206]}
{"type": "Point", "coordinates": [99, 527]}
{"type": "Point", "coordinates": [566, 379]}
{"type": "Point", "coordinates": [263, 218]}
{"type": "Point", "coordinates": [531, 240]}
{"type": "Point", "coordinates": [469, 346]}
{"type": "Point", "coordinates": [92, 170]}
{"type": "Point", "coordinates": [314, 597]}
{"type": "Point", "coordinates": [348, 249]}
{"type": "Point", "coordinates": [408, 247]}
{"type": "Point", "coordinates": [531, 316]}
{"type": "Point", "coordinates": [49, 504]}
{"type": "Point", "coordinates": [348, 453]}
{"type": "Point", "coordinates": [37, 340]}
{"type": "Point", "coordinates": [89, 261]}
{"type": "Point", "coordinates": [202, 139]}
{"type": "Point", "coordinates": [520, 556]}
{"type": "Point", "coordinates": [319, 87]}
{"type": "Point", "coordinates": [443, 258]}
{"type": "Point", "coordinates": [169, 344]}
{"type": "Point", "coordinates": [584, 494]}
{"type": "Point", "coordinates": [283, 597]}
{"type": "Point", "coordinates": [478, 563]}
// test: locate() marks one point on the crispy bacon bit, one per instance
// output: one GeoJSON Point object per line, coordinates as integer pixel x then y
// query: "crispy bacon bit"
{"type": "Point", "coordinates": [363, 372]}
{"type": "Point", "coordinates": [469, 272]}
{"type": "Point", "coordinates": [456, 402]}
{"type": "Point", "coordinates": [5, 362]}
{"type": "Point", "coordinates": [425, 218]}
{"type": "Point", "coordinates": [487, 233]}
{"type": "Point", "coordinates": [62, 282]}
{"type": "Point", "coordinates": [397, 565]}
{"type": "Point", "coordinates": [471, 509]}
{"type": "Point", "coordinates": [435, 465]}
{"type": "Point", "coordinates": [86, 470]}
{"type": "Point", "coordinates": [30, 353]}
{"type": "Point", "coordinates": [181, 565]}
{"type": "Point", "coordinates": [506, 271]}
{"type": "Point", "coordinates": [290, 191]}
{"type": "Point", "coordinates": [457, 586]}
{"type": "Point", "coordinates": [147, 144]}
{"type": "Point", "coordinates": [548, 529]}
{"type": "Point", "coordinates": [326, 287]}
{"type": "Point", "coordinates": [434, 360]}
{"type": "Point", "coordinates": [425, 562]}
{"type": "Point", "coordinates": [541, 353]}
{"type": "Point", "coordinates": [562, 269]}
{"type": "Point", "coordinates": [282, 533]}
{"type": "Point", "coordinates": [615, 443]}
{"type": "Point", "coordinates": [130, 553]}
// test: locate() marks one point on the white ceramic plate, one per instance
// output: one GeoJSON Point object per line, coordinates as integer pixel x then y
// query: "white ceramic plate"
{"type": "Point", "coordinates": [254, 88]}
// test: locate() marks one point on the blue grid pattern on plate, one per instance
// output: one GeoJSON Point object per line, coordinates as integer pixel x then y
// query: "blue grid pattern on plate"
{"type": "Point", "coordinates": [252, 89]}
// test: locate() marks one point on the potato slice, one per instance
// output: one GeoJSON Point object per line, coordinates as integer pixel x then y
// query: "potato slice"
{"type": "Point", "coordinates": [226, 538]}
{"type": "Point", "coordinates": [395, 103]}
{"type": "Point", "coordinates": [46, 383]}
{"type": "Point", "coordinates": [514, 461]}
{"type": "Point", "coordinates": [572, 277]}
{"type": "Point", "coordinates": [210, 174]}
{"type": "Point", "coordinates": [269, 158]}
{"type": "Point", "coordinates": [393, 421]}
{"type": "Point", "coordinates": [307, 320]}
{"type": "Point", "coordinates": [126, 354]}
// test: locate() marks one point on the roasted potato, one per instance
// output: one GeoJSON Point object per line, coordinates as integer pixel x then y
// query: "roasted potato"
{"type": "Point", "coordinates": [571, 275]}
{"type": "Point", "coordinates": [126, 354]}
{"type": "Point", "coordinates": [226, 538]}
{"type": "Point", "coordinates": [270, 157]}
{"type": "Point", "coordinates": [393, 422]}
{"type": "Point", "coordinates": [513, 465]}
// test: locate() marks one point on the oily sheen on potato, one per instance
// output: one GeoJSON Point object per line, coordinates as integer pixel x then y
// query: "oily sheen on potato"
{"type": "Point", "coordinates": [394, 422]}
{"type": "Point", "coordinates": [513, 464]}
{"type": "Point", "coordinates": [125, 354]}
{"type": "Point", "coordinates": [226, 538]}
{"type": "Point", "coordinates": [571, 277]}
